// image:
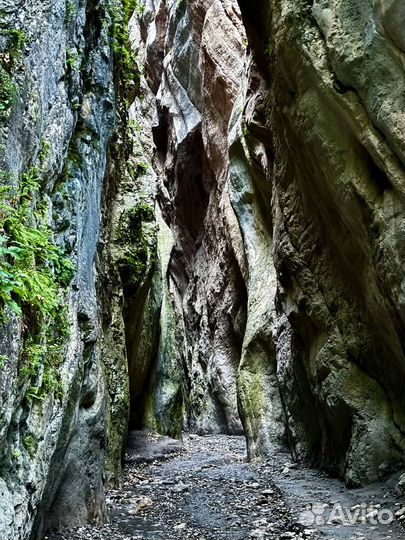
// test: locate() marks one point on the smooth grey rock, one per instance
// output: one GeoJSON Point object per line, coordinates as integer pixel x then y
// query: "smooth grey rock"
{"type": "Point", "coordinates": [400, 487]}
{"type": "Point", "coordinates": [285, 198]}
{"type": "Point", "coordinates": [52, 451]}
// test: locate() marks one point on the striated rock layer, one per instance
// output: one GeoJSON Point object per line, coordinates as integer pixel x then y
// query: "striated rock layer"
{"type": "Point", "coordinates": [227, 181]}
{"type": "Point", "coordinates": [333, 124]}
{"type": "Point", "coordinates": [280, 166]}
{"type": "Point", "coordinates": [67, 136]}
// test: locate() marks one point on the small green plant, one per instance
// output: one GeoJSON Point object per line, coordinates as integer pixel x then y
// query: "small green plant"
{"type": "Point", "coordinates": [7, 92]}
{"type": "Point", "coordinates": [134, 126]}
{"type": "Point", "coordinates": [142, 167]}
{"type": "Point", "coordinates": [71, 10]}
{"type": "Point", "coordinates": [15, 454]}
{"type": "Point", "coordinates": [51, 383]}
{"type": "Point", "coordinates": [33, 274]}
{"type": "Point", "coordinates": [30, 444]}
{"type": "Point", "coordinates": [33, 353]}
{"type": "Point", "coordinates": [73, 59]}
{"type": "Point", "coordinates": [35, 393]}
{"type": "Point", "coordinates": [3, 361]}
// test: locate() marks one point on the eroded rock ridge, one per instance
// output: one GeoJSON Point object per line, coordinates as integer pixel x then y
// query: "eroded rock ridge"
{"type": "Point", "coordinates": [219, 190]}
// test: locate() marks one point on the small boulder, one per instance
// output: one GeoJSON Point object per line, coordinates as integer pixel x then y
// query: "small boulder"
{"type": "Point", "coordinates": [400, 488]}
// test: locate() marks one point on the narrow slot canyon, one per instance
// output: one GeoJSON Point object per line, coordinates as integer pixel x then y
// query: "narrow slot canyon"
{"type": "Point", "coordinates": [202, 287]}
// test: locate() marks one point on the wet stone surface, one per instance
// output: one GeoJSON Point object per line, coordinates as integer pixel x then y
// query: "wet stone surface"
{"type": "Point", "coordinates": [204, 489]}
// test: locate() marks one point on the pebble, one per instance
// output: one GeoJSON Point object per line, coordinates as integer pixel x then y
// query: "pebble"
{"type": "Point", "coordinates": [209, 492]}
{"type": "Point", "coordinates": [268, 492]}
{"type": "Point", "coordinates": [257, 533]}
{"type": "Point", "coordinates": [180, 488]}
{"type": "Point", "coordinates": [140, 504]}
{"type": "Point", "coordinates": [400, 512]}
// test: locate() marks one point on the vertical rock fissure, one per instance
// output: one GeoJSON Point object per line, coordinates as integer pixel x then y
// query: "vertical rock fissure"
{"type": "Point", "coordinates": [277, 330]}
{"type": "Point", "coordinates": [202, 221]}
{"type": "Point", "coordinates": [328, 229]}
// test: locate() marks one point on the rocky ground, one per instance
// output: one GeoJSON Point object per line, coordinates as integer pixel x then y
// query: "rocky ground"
{"type": "Point", "coordinates": [204, 489]}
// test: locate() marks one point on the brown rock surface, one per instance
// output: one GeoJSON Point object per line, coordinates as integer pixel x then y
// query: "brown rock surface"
{"type": "Point", "coordinates": [283, 186]}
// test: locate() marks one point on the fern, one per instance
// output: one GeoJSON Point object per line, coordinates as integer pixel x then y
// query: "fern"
{"type": "Point", "coordinates": [33, 273]}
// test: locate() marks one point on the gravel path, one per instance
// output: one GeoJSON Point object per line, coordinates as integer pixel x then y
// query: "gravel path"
{"type": "Point", "coordinates": [204, 489]}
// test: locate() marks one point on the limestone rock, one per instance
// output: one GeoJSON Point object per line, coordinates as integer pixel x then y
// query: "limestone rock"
{"type": "Point", "coordinates": [281, 176]}
{"type": "Point", "coordinates": [233, 205]}
{"type": "Point", "coordinates": [337, 222]}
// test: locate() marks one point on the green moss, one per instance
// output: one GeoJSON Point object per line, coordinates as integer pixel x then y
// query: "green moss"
{"type": "Point", "coordinates": [134, 127]}
{"type": "Point", "coordinates": [31, 445]}
{"type": "Point", "coordinates": [73, 59]}
{"type": "Point", "coordinates": [7, 92]}
{"type": "Point", "coordinates": [251, 384]}
{"type": "Point", "coordinates": [139, 253]}
{"type": "Point", "coordinates": [71, 10]}
{"type": "Point", "coordinates": [75, 156]}
{"type": "Point", "coordinates": [122, 12]}
{"type": "Point", "coordinates": [16, 41]}
{"type": "Point", "coordinates": [141, 168]}
{"type": "Point", "coordinates": [33, 275]}
{"type": "Point", "coordinates": [45, 153]}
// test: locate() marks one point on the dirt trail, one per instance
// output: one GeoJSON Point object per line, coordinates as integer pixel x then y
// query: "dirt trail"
{"type": "Point", "coordinates": [204, 489]}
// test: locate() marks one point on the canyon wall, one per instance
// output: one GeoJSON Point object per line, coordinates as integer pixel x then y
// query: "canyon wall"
{"type": "Point", "coordinates": [194, 59]}
{"type": "Point", "coordinates": [279, 157]}
{"type": "Point", "coordinates": [202, 228]}
{"type": "Point", "coordinates": [334, 123]}
{"type": "Point", "coordinates": [64, 384]}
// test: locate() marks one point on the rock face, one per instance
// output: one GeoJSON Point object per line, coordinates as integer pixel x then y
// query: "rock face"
{"type": "Point", "coordinates": [280, 169]}
{"type": "Point", "coordinates": [53, 443]}
{"type": "Point", "coordinates": [219, 195]}
{"type": "Point", "coordinates": [64, 385]}
{"type": "Point", "coordinates": [194, 61]}
{"type": "Point", "coordinates": [333, 118]}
